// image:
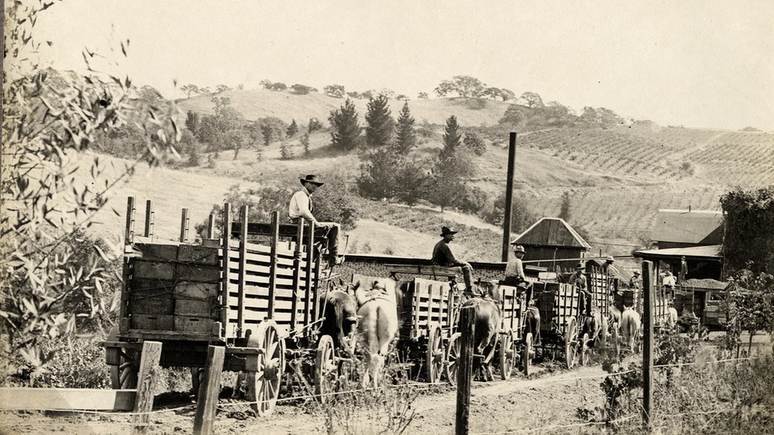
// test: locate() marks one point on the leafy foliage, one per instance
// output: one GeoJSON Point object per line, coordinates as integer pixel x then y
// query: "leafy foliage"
{"type": "Point", "coordinates": [378, 173]}
{"type": "Point", "coordinates": [750, 306]}
{"type": "Point", "coordinates": [464, 86]}
{"type": "Point", "coordinates": [345, 133]}
{"type": "Point", "coordinates": [51, 272]}
{"type": "Point", "coordinates": [335, 91]}
{"type": "Point", "coordinates": [475, 143]}
{"type": "Point", "coordinates": [302, 89]}
{"type": "Point", "coordinates": [749, 229]}
{"type": "Point", "coordinates": [292, 129]}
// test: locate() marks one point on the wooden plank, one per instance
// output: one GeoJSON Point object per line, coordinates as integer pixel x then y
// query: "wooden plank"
{"type": "Point", "coordinates": [162, 252]}
{"type": "Point", "coordinates": [196, 308]}
{"type": "Point", "coordinates": [261, 304]}
{"type": "Point", "coordinates": [465, 369]}
{"type": "Point", "coordinates": [297, 272]}
{"type": "Point", "coordinates": [199, 255]}
{"type": "Point", "coordinates": [195, 290]}
{"type": "Point", "coordinates": [260, 252]}
{"type": "Point", "coordinates": [224, 281]}
{"type": "Point", "coordinates": [61, 399]}
{"type": "Point", "coordinates": [210, 227]}
{"type": "Point", "coordinates": [190, 272]}
{"type": "Point", "coordinates": [647, 345]}
{"type": "Point", "coordinates": [209, 388]}
{"type": "Point", "coordinates": [242, 263]}
{"type": "Point", "coordinates": [273, 267]}
{"type": "Point", "coordinates": [193, 324]}
{"type": "Point", "coordinates": [308, 272]}
{"type": "Point", "coordinates": [151, 304]}
{"type": "Point", "coordinates": [146, 382]}
{"type": "Point", "coordinates": [149, 215]}
{"type": "Point", "coordinates": [152, 269]}
{"type": "Point", "coordinates": [265, 271]}
{"type": "Point", "coordinates": [184, 222]}
{"type": "Point", "coordinates": [285, 230]}
{"type": "Point", "coordinates": [153, 322]}
{"type": "Point", "coordinates": [316, 290]}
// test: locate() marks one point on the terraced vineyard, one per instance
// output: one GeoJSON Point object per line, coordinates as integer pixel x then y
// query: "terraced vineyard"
{"type": "Point", "coordinates": [738, 158]}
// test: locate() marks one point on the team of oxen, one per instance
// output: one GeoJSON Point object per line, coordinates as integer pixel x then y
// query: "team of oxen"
{"type": "Point", "coordinates": [372, 316]}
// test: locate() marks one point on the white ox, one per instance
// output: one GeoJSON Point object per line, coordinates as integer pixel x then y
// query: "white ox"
{"type": "Point", "coordinates": [377, 325]}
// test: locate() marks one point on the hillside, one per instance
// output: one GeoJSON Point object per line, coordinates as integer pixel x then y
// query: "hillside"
{"type": "Point", "coordinates": [616, 178]}
{"type": "Point", "coordinates": [286, 105]}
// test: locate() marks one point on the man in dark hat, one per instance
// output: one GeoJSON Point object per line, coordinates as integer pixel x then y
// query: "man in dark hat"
{"type": "Point", "coordinates": [442, 256]}
{"type": "Point", "coordinates": [301, 207]}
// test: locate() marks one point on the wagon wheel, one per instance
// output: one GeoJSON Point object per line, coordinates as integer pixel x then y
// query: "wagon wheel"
{"type": "Point", "coordinates": [507, 355]}
{"type": "Point", "coordinates": [325, 368]}
{"type": "Point", "coordinates": [197, 374]}
{"type": "Point", "coordinates": [434, 355]}
{"type": "Point", "coordinates": [124, 375]}
{"type": "Point", "coordinates": [452, 354]}
{"type": "Point", "coordinates": [570, 343]}
{"type": "Point", "coordinates": [616, 342]}
{"type": "Point", "coordinates": [264, 384]}
{"type": "Point", "coordinates": [585, 351]}
{"type": "Point", "coordinates": [525, 353]}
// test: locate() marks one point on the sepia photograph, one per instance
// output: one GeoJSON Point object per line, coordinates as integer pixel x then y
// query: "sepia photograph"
{"type": "Point", "coordinates": [397, 217]}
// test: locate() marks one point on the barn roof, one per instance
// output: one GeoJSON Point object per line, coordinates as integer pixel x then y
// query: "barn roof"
{"type": "Point", "coordinates": [552, 232]}
{"type": "Point", "coordinates": [708, 252]}
{"type": "Point", "coordinates": [689, 226]}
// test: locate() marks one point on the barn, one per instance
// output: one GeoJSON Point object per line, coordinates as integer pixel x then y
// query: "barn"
{"type": "Point", "coordinates": [553, 239]}
{"type": "Point", "coordinates": [687, 228]}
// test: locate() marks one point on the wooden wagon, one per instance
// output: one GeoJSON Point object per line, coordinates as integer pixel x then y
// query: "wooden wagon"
{"type": "Point", "coordinates": [248, 291]}
{"type": "Point", "coordinates": [560, 317]}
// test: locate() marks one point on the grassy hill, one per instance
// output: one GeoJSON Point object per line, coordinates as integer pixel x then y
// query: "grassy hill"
{"type": "Point", "coordinates": [286, 105]}
{"type": "Point", "coordinates": [616, 178]}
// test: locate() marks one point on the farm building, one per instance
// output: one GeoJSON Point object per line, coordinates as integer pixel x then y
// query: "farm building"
{"type": "Point", "coordinates": [686, 228]}
{"type": "Point", "coordinates": [552, 239]}
{"type": "Point", "coordinates": [696, 262]}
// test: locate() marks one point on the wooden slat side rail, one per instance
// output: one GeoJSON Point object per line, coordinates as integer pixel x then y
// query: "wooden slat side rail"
{"type": "Point", "coordinates": [242, 269]}
{"type": "Point", "coordinates": [149, 219]}
{"type": "Point", "coordinates": [184, 223]}
{"type": "Point", "coordinates": [224, 264]}
{"type": "Point", "coordinates": [273, 260]}
{"type": "Point", "coordinates": [296, 273]}
{"type": "Point", "coordinates": [308, 272]}
{"type": "Point", "coordinates": [262, 254]}
{"type": "Point", "coordinates": [128, 241]}
{"type": "Point", "coordinates": [285, 230]}
{"type": "Point", "coordinates": [430, 270]}
{"type": "Point", "coordinates": [62, 399]}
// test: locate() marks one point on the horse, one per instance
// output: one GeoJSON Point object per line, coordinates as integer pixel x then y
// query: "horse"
{"type": "Point", "coordinates": [339, 318]}
{"type": "Point", "coordinates": [377, 325]}
{"type": "Point", "coordinates": [487, 324]}
{"type": "Point", "coordinates": [630, 326]}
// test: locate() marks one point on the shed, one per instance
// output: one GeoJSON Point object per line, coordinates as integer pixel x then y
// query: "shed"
{"type": "Point", "coordinates": [683, 228]}
{"type": "Point", "coordinates": [553, 239]}
{"type": "Point", "coordinates": [701, 262]}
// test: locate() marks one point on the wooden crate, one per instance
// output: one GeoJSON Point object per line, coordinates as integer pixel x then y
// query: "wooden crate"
{"type": "Point", "coordinates": [150, 322]}
{"type": "Point", "coordinates": [512, 306]}
{"type": "Point", "coordinates": [431, 302]}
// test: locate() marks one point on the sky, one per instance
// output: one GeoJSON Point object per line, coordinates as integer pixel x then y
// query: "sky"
{"type": "Point", "coordinates": [705, 64]}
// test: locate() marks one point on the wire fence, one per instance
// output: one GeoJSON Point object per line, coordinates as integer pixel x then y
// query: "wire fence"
{"type": "Point", "coordinates": [524, 384]}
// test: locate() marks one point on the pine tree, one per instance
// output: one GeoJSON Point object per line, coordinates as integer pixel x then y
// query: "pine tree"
{"type": "Point", "coordinates": [379, 123]}
{"type": "Point", "coordinates": [345, 127]}
{"type": "Point", "coordinates": [452, 138]}
{"type": "Point", "coordinates": [451, 167]}
{"type": "Point", "coordinates": [305, 143]}
{"type": "Point", "coordinates": [564, 210]}
{"type": "Point", "coordinates": [292, 129]}
{"type": "Point", "coordinates": [406, 137]}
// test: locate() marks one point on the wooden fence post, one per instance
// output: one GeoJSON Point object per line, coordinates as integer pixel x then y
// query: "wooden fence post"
{"type": "Point", "coordinates": [184, 221]}
{"type": "Point", "coordinates": [467, 327]}
{"type": "Point", "coordinates": [149, 219]}
{"type": "Point", "coordinates": [146, 381]}
{"type": "Point", "coordinates": [647, 347]}
{"type": "Point", "coordinates": [209, 388]}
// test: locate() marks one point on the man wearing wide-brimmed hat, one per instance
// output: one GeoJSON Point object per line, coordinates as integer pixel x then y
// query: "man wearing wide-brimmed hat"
{"type": "Point", "coordinates": [301, 207]}
{"type": "Point", "coordinates": [514, 270]}
{"type": "Point", "coordinates": [442, 256]}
